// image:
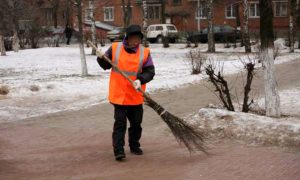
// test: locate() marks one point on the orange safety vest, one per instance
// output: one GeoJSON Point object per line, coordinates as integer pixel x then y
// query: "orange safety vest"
{"type": "Point", "coordinates": [121, 92]}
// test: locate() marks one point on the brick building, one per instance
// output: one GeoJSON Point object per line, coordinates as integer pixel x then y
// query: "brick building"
{"type": "Point", "coordinates": [43, 12]}
{"type": "Point", "coordinates": [187, 15]}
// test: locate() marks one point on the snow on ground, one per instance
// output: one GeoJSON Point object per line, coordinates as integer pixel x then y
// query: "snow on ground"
{"type": "Point", "coordinates": [56, 72]}
{"type": "Point", "coordinates": [251, 128]}
{"type": "Point", "coordinates": [255, 128]}
{"type": "Point", "coordinates": [289, 102]}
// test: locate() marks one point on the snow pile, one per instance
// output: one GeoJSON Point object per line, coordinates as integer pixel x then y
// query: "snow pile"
{"type": "Point", "coordinates": [248, 127]}
{"type": "Point", "coordinates": [280, 43]}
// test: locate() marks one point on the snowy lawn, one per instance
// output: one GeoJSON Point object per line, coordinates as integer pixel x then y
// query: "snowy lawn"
{"type": "Point", "coordinates": [48, 80]}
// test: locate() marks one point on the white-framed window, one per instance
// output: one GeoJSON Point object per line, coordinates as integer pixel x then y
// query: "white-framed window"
{"type": "Point", "coordinates": [254, 10]}
{"type": "Point", "coordinates": [230, 11]}
{"type": "Point", "coordinates": [154, 11]}
{"type": "Point", "coordinates": [108, 13]}
{"type": "Point", "coordinates": [202, 11]}
{"type": "Point", "coordinates": [281, 8]}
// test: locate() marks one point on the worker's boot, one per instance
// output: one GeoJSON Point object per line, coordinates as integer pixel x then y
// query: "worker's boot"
{"type": "Point", "coordinates": [136, 150]}
{"type": "Point", "coordinates": [119, 154]}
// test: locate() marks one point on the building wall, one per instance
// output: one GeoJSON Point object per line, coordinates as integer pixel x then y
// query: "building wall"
{"type": "Point", "coordinates": [190, 22]}
{"type": "Point", "coordinates": [186, 20]}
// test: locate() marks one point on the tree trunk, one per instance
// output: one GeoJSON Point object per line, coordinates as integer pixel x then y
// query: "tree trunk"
{"type": "Point", "coordinates": [94, 37]}
{"type": "Point", "coordinates": [67, 15]}
{"type": "Point", "coordinates": [129, 14]}
{"type": "Point", "coordinates": [145, 18]}
{"type": "Point", "coordinates": [272, 100]}
{"type": "Point", "coordinates": [15, 43]}
{"type": "Point", "coordinates": [245, 33]}
{"type": "Point", "coordinates": [163, 8]}
{"type": "Point", "coordinates": [2, 48]}
{"type": "Point", "coordinates": [55, 4]}
{"type": "Point", "coordinates": [211, 41]}
{"type": "Point", "coordinates": [298, 20]}
{"type": "Point", "coordinates": [292, 4]}
{"type": "Point", "coordinates": [84, 70]}
{"type": "Point", "coordinates": [238, 22]}
{"type": "Point", "coordinates": [126, 12]}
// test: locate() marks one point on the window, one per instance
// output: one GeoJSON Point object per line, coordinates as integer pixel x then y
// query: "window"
{"type": "Point", "coordinates": [202, 11]}
{"type": "Point", "coordinates": [159, 28]}
{"type": "Point", "coordinates": [154, 11]}
{"type": "Point", "coordinates": [254, 10]}
{"type": "Point", "coordinates": [88, 11]}
{"type": "Point", "coordinates": [176, 2]}
{"type": "Point", "coordinates": [281, 9]}
{"type": "Point", "coordinates": [231, 11]}
{"type": "Point", "coordinates": [108, 13]}
{"type": "Point", "coordinates": [151, 28]}
{"type": "Point", "coordinates": [171, 28]}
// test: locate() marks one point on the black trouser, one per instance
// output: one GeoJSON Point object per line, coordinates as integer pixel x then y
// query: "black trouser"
{"type": "Point", "coordinates": [68, 40]}
{"type": "Point", "coordinates": [135, 116]}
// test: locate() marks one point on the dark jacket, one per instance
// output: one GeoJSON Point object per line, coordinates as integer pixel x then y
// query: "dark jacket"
{"type": "Point", "coordinates": [68, 32]}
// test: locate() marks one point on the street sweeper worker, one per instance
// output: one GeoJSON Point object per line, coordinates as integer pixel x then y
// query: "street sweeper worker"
{"type": "Point", "coordinates": [135, 60]}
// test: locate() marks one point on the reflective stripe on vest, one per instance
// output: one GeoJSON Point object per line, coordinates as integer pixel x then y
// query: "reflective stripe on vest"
{"type": "Point", "coordinates": [117, 56]}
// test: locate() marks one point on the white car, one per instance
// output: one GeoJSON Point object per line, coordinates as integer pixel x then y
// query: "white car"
{"type": "Point", "coordinates": [155, 32]}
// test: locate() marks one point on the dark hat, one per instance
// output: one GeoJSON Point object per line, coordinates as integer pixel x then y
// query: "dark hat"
{"type": "Point", "coordinates": [134, 30]}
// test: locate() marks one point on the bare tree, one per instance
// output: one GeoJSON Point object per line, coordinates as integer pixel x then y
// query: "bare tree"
{"type": "Point", "coordinates": [292, 5]}
{"type": "Point", "coordinates": [126, 7]}
{"type": "Point", "coordinates": [245, 31]}
{"type": "Point", "coordinates": [211, 41]}
{"type": "Point", "coordinates": [67, 14]}
{"type": "Point", "coordinates": [250, 67]}
{"type": "Point", "coordinates": [145, 22]}
{"type": "Point", "coordinates": [2, 48]}
{"type": "Point", "coordinates": [84, 70]}
{"type": "Point", "coordinates": [55, 5]}
{"type": "Point", "coordinates": [162, 11]}
{"type": "Point", "coordinates": [298, 20]}
{"type": "Point", "coordinates": [196, 60]}
{"type": "Point", "coordinates": [272, 100]}
{"type": "Point", "coordinates": [2, 27]}
{"type": "Point", "coordinates": [221, 85]}
{"type": "Point", "coordinates": [93, 26]}
{"type": "Point", "coordinates": [15, 8]}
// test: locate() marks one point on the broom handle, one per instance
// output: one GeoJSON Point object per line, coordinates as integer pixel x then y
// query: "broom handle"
{"type": "Point", "coordinates": [100, 54]}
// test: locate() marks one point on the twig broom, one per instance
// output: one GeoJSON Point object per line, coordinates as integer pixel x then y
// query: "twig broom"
{"type": "Point", "coordinates": [184, 133]}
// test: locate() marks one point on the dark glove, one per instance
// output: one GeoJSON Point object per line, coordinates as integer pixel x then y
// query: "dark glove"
{"type": "Point", "coordinates": [103, 64]}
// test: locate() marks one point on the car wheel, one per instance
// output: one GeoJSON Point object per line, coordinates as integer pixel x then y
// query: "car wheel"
{"type": "Point", "coordinates": [159, 39]}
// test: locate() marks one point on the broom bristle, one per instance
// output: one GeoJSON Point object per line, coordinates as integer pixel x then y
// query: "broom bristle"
{"type": "Point", "coordinates": [184, 133]}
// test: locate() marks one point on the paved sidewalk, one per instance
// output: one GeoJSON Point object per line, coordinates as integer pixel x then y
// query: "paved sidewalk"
{"type": "Point", "coordinates": [77, 145]}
